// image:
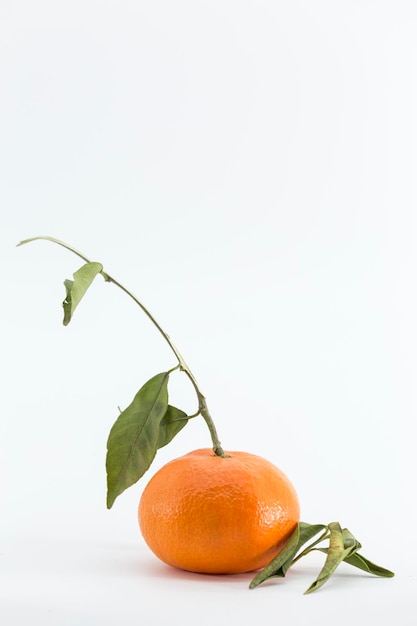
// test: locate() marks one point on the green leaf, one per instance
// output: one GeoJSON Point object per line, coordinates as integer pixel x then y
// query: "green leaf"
{"type": "Point", "coordinates": [307, 532]}
{"type": "Point", "coordinates": [341, 545]}
{"type": "Point", "coordinates": [76, 288]}
{"type": "Point", "coordinates": [279, 566]}
{"type": "Point", "coordinates": [276, 564]}
{"type": "Point", "coordinates": [349, 541]}
{"type": "Point", "coordinates": [173, 421]}
{"type": "Point", "coordinates": [357, 560]}
{"type": "Point", "coordinates": [134, 437]}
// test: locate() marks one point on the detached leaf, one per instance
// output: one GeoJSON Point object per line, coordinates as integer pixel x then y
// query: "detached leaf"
{"type": "Point", "coordinates": [273, 568]}
{"type": "Point", "coordinates": [360, 561]}
{"type": "Point", "coordinates": [134, 437]}
{"type": "Point", "coordinates": [307, 532]}
{"type": "Point", "coordinates": [341, 545]}
{"type": "Point", "coordinates": [279, 566]}
{"type": "Point", "coordinates": [173, 421]}
{"type": "Point", "coordinates": [76, 288]}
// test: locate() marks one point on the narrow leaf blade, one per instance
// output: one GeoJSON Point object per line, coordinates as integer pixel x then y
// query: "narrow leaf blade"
{"type": "Point", "coordinates": [350, 542]}
{"type": "Point", "coordinates": [279, 566]}
{"type": "Point", "coordinates": [76, 289]}
{"type": "Point", "coordinates": [173, 421]}
{"type": "Point", "coordinates": [357, 560]}
{"type": "Point", "coordinates": [336, 553]}
{"type": "Point", "coordinates": [275, 565]}
{"type": "Point", "coordinates": [307, 532]}
{"type": "Point", "coordinates": [133, 439]}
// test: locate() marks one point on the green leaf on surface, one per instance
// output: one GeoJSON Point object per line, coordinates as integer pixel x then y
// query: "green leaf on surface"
{"type": "Point", "coordinates": [279, 566]}
{"type": "Point", "coordinates": [134, 438]}
{"type": "Point", "coordinates": [359, 561]}
{"type": "Point", "coordinates": [274, 567]}
{"type": "Point", "coordinates": [173, 421]}
{"type": "Point", "coordinates": [341, 544]}
{"type": "Point", "coordinates": [367, 566]}
{"type": "Point", "coordinates": [307, 532]}
{"type": "Point", "coordinates": [75, 289]}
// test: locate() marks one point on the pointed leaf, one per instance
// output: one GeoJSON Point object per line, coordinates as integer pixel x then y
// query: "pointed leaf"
{"type": "Point", "coordinates": [336, 553]}
{"type": "Point", "coordinates": [349, 541]}
{"type": "Point", "coordinates": [310, 532]}
{"type": "Point", "coordinates": [343, 546]}
{"type": "Point", "coordinates": [275, 565]}
{"type": "Point", "coordinates": [360, 561]}
{"type": "Point", "coordinates": [279, 566]}
{"type": "Point", "coordinates": [133, 439]}
{"type": "Point", "coordinates": [307, 532]}
{"type": "Point", "coordinates": [75, 289]}
{"type": "Point", "coordinates": [173, 421]}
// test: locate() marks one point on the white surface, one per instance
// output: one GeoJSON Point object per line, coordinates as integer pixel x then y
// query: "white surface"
{"type": "Point", "coordinates": [106, 582]}
{"type": "Point", "coordinates": [248, 170]}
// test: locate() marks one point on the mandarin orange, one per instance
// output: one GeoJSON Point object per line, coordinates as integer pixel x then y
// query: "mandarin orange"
{"type": "Point", "coordinates": [215, 515]}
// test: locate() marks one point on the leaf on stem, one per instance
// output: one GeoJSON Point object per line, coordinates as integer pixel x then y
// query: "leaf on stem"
{"type": "Point", "coordinates": [307, 532]}
{"type": "Point", "coordinates": [367, 566]}
{"type": "Point", "coordinates": [173, 421]}
{"type": "Point", "coordinates": [279, 566]}
{"type": "Point", "coordinates": [341, 545]}
{"type": "Point", "coordinates": [75, 289]}
{"type": "Point", "coordinates": [135, 436]}
{"type": "Point", "coordinates": [274, 567]}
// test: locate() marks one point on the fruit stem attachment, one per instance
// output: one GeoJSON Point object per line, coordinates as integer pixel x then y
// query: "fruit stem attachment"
{"type": "Point", "coordinates": [202, 404]}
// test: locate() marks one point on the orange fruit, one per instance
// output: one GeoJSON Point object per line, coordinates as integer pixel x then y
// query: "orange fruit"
{"type": "Point", "coordinates": [214, 515]}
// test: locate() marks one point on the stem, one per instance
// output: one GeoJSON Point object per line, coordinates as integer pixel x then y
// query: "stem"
{"type": "Point", "coordinates": [202, 404]}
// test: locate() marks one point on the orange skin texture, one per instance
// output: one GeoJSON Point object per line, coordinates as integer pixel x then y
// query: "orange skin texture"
{"type": "Point", "coordinates": [213, 515]}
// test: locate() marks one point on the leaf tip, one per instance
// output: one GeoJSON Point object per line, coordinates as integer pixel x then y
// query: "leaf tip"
{"type": "Point", "coordinates": [110, 500]}
{"type": "Point", "coordinates": [312, 588]}
{"type": "Point", "coordinates": [21, 243]}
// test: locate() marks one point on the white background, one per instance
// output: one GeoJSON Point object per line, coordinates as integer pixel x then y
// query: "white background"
{"type": "Point", "coordinates": [248, 169]}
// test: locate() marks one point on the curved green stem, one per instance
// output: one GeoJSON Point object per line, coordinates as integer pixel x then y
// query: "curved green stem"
{"type": "Point", "coordinates": [202, 404]}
